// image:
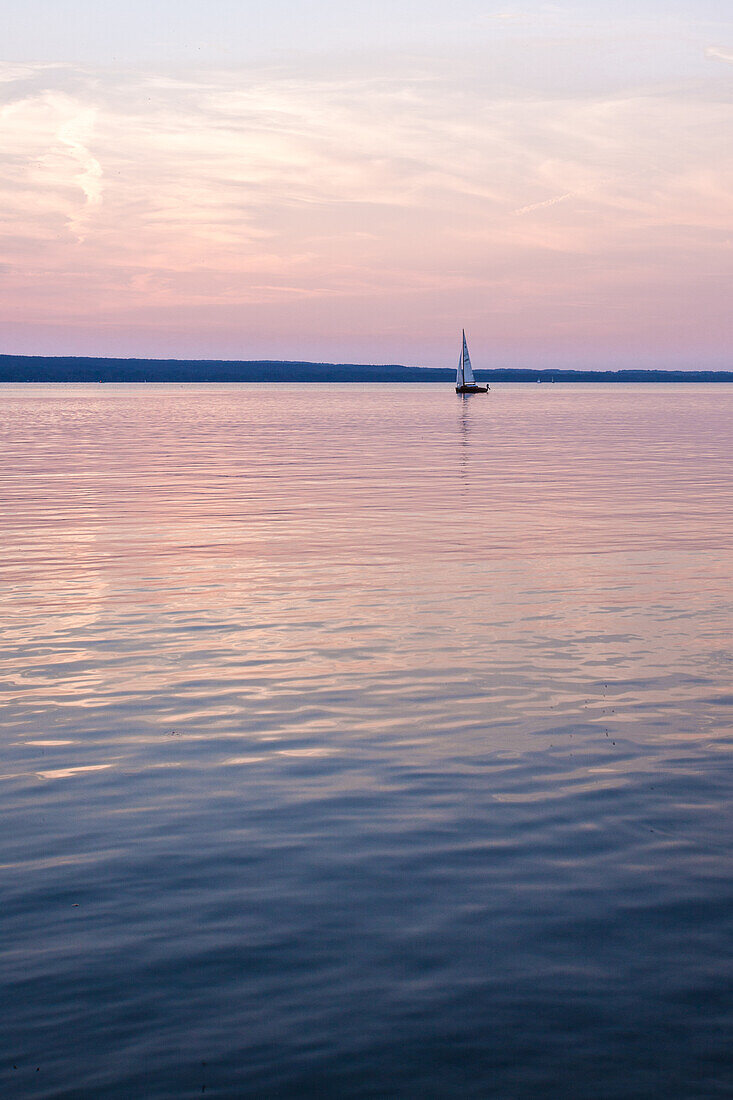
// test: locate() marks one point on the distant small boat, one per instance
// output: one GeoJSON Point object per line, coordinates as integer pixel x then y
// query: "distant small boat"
{"type": "Point", "coordinates": [465, 381]}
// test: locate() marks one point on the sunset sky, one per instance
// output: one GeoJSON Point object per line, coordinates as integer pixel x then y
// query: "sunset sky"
{"type": "Point", "coordinates": [358, 181]}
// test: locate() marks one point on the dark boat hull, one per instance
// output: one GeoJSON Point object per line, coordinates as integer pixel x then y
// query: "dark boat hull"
{"type": "Point", "coordinates": [472, 389]}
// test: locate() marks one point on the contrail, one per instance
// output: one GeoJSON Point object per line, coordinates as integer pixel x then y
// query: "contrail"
{"type": "Point", "coordinates": [547, 202]}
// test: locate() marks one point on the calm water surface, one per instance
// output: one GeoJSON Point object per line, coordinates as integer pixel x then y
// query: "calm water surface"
{"type": "Point", "coordinates": [366, 741]}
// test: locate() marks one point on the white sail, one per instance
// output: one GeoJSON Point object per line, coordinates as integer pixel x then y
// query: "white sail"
{"type": "Point", "coordinates": [467, 369]}
{"type": "Point", "coordinates": [459, 372]}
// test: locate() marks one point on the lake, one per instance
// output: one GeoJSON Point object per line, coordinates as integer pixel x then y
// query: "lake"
{"type": "Point", "coordinates": [366, 741]}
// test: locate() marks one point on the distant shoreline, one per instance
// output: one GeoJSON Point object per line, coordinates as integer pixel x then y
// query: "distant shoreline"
{"type": "Point", "coordinates": [36, 368]}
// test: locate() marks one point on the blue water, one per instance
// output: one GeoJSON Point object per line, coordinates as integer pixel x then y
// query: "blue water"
{"type": "Point", "coordinates": [366, 742]}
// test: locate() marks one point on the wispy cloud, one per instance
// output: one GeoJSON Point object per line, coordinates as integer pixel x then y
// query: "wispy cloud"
{"type": "Point", "coordinates": [75, 133]}
{"type": "Point", "coordinates": [47, 167]}
{"type": "Point", "coordinates": [217, 212]}
{"type": "Point", "coordinates": [719, 55]}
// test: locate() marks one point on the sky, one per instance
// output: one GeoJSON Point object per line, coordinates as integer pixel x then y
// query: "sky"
{"type": "Point", "coordinates": [357, 182]}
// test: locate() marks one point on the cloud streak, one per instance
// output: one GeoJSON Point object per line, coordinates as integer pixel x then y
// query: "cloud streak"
{"type": "Point", "coordinates": [541, 205]}
{"type": "Point", "coordinates": [290, 213]}
{"type": "Point", "coordinates": [719, 55]}
{"type": "Point", "coordinates": [75, 133]}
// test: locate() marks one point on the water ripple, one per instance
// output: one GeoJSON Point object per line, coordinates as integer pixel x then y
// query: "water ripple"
{"type": "Point", "coordinates": [364, 742]}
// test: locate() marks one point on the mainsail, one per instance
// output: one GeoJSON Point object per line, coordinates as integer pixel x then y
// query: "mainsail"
{"type": "Point", "coordinates": [464, 375]}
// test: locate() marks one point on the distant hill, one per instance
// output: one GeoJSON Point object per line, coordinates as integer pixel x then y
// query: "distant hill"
{"type": "Point", "coordinates": [38, 368]}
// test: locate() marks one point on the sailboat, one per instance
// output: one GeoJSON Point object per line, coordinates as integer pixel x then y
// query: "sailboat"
{"type": "Point", "coordinates": [465, 382]}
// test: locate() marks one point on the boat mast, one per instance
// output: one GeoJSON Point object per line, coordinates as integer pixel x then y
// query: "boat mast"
{"type": "Point", "coordinates": [467, 369]}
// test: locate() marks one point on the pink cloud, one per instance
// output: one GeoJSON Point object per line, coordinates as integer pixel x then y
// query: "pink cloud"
{"type": "Point", "coordinates": [241, 215]}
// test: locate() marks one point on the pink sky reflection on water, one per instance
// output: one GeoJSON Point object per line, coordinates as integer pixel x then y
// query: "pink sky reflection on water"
{"type": "Point", "coordinates": [196, 543]}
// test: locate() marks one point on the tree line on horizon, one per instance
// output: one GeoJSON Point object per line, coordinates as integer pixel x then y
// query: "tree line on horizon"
{"type": "Point", "coordinates": [38, 368]}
